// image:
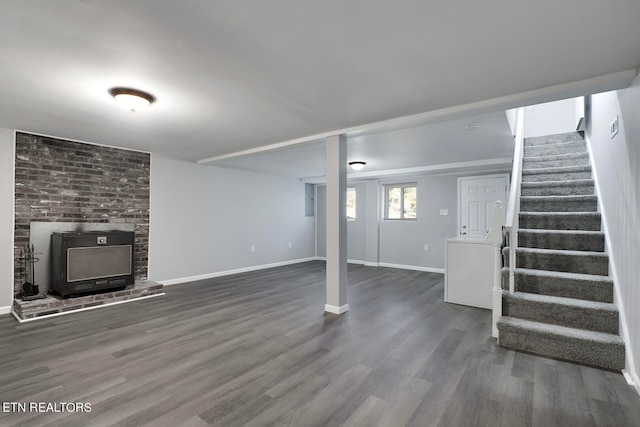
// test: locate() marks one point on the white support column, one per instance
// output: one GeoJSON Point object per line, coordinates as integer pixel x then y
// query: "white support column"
{"type": "Point", "coordinates": [336, 225]}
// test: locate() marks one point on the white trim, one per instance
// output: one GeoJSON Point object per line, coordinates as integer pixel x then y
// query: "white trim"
{"type": "Point", "coordinates": [235, 271]}
{"type": "Point", "coordinates": [631, 372]}
{"type": "Point", "coordinates": [351, 261]}
{"type": "Point", "coordinates": [632, 379]}
{"type": "Point", "coordinates": [412, 267]}
{"type": "Point", "coordinates": [5, 309]}
{"type": "Point", "coordinates": [618, 80]}
{"type": "Point", "coordinates": [390, 265]}
{"type": "Point", "coordinates": [336, 310]}
{"type": "Point", "coordinates": [62, 313]}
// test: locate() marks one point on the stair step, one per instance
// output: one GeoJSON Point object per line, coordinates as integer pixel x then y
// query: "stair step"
{"type": "Point", "coordinates": [553, 139]}
{"type": "Point", "coordinates": [576, 345]}
{"type": "Point", "coordinates": [581, 262]}
{"type": "Point", "coordinates": [559, 160]}
{"type": "Point", "coordinates": [561, 284]}
{"type": "Point", "coordinates": [569, 312]}
{"type": "Point", "coordinates": [569, 147]}
{"type": "Point", "coordinates": [585, 221]}
{"type": "Point", "coordinates": [567, 240]}
{"type": "Point", "coordinates": [558, 188]}
{"type": "Point", "coordinates": [580, 203]}
{"type": "Point", "coordinates": [556, 173]}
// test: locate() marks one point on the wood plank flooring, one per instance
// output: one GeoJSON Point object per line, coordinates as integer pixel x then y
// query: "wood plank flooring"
{"type": "Point", "coordinates": [256, 349]}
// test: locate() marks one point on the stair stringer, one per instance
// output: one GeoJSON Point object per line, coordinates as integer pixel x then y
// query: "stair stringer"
{"type": "Point", "coordinates": [630, 372]}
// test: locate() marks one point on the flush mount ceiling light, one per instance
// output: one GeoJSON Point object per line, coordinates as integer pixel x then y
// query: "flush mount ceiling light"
{"type": "Point", "coordinates": [471, 127]}
{"type": "Point", "coordinates": [131, 99]}
{"type": "Point", "coordinates": [356, 166]}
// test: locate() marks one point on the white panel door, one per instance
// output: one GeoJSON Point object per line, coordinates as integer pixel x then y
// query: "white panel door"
{"type": "Point", "coordinates": [476, 197]}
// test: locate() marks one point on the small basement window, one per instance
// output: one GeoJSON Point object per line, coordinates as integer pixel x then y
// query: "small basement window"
{"type": "Point", "coordinates": [400, 201]}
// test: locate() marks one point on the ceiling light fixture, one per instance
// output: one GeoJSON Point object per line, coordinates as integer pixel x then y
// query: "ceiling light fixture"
{"type": "Point", "coordinates": [471, 127]}
{"type": "Point", "coordinates": [131, 99]}
{"type": "Point", "coordinates": [356, 166]}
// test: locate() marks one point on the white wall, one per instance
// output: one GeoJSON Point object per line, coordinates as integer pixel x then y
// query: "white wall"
{"type": "Point", "coordinates": [356, 229]}
{"type": "Point", "coordinates": [616, 164]}
{"type": "Point", "coordinates": [400, 243]}
{"type": "Point", "coordinates": [7, 150]}
{"type": "Point", "coordinates": [552, 117]}
{"type": "Point", "coordinates": [204, 220]}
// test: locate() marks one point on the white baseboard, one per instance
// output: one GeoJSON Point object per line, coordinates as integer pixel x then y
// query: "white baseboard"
{"type": "Point", "coordinates": [235, 271]}
{"type": "Point", "coordinates": [632, 379]}
{"type": "Point", "coordinates": [336, 310]}
{"type": "Point", "coordinates": [5, 310]}
{"type": "Point", "coordinates": [349, 261]}
{"type": "Point", "coordinates": [386, 264]}
{"type": "Point", "coordinates": [412, 267]}
{"type": "Point", "coordinates": [107, 304]}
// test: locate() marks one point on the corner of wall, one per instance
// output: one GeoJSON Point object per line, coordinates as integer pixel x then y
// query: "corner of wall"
{"type": "Point", "coordinates": [7, 203]}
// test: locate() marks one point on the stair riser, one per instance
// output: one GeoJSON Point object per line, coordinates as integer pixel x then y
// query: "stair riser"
{"type": "Point", "coordinates": [556, 162]}
{"type": "Point", "coordinates": [567, 288]}
{"type": "Point", "coordinates": [560, 190]}
{"type": "Point", "coordinates": [567, 242]}
{"type": "Point", "coordinates": [603, 355]}
{"type": "Point", "coordinates": [527, 205]}
{"type": "Point", "coordinates": [582, 264]}
{"type": "Point", "coordinates": [555, 176]}
{"type": "Point", "coordinates": [553, 139]}
{"type": "Point", "coordinates": [555, 149]}
{"type": "Point", "coordinates": [560, 222]}
{"type": "Point", "coordinates": [564, 315]}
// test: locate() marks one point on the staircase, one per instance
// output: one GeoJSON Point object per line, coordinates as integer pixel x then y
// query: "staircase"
{"type": "Point", "coordinates": [562, 306]}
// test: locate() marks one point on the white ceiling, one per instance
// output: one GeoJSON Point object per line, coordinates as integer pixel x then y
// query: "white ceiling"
{"type": "Point", "coordinates": [231, 76]}
{"type": "Point", "coordinates": [446, 144]}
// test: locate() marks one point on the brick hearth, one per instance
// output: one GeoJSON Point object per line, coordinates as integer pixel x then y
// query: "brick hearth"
{"type": "Point", "coordinates": [54, 304]}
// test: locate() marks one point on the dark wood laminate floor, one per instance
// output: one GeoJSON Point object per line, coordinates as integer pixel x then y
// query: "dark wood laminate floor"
{"type": "Point", "coordinates": [256, 349]}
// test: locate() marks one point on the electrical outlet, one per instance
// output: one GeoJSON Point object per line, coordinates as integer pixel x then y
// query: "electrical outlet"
{"type": "Point", "coordinates": [253, 248]}
{"type": "Point", "coordinates": [290, 245]}
{"type": "Point", "coordinates": [426, 247]}
{"type": "Point", "coordinates": [614, 128]}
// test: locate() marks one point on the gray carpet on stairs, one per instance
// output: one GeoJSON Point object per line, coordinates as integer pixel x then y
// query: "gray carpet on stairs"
{"type": "Point", "coordinates": [563, 305]}
{"type": "Point", "coordinates": [569, 240]}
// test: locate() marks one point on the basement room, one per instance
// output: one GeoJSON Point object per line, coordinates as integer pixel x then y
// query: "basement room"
{"type": "Point", "coordinates": [319, 214]}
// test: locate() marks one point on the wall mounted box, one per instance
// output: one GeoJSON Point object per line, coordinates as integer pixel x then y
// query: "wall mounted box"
{"type": "Point", "coordinates": [85, 262]}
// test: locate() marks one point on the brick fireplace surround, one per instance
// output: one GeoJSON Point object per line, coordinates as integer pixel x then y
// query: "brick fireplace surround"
{"type": "Point", "coordinates": [65, 181]}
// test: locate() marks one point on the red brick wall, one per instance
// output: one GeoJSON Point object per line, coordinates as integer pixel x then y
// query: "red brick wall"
{"type": "Point", "coordinates": [65, 181]}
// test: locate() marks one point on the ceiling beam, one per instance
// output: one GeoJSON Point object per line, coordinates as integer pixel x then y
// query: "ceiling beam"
{"type": "Point", "coordinates": [590, 86]}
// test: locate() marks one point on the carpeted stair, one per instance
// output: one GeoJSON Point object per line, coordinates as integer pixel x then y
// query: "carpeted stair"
{"type": "Point", "coordinates": [563, 301]}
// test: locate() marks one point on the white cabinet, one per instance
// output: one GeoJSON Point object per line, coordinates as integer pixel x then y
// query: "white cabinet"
{"type": "Point", "coordinates": [470, 272]}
